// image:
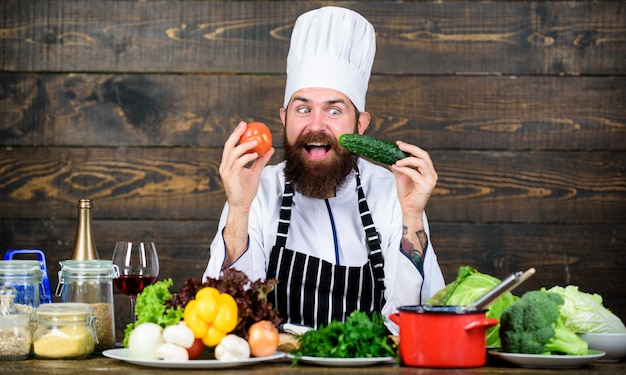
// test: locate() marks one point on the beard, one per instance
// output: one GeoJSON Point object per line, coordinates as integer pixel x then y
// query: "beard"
{"type": "Point", "coordinates": [317, 179]}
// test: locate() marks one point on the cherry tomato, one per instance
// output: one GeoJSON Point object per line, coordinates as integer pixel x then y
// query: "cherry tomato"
{"type": "Point", "coordinates": [263, 338]}
{"type": "Point", "coordinates": [196, 349]}
{"type": "Point", "coordinates": [260, 132]}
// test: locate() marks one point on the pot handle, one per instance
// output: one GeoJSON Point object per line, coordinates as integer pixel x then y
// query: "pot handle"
{"type": "Point", "coordinates": [395, 317]}
{"type": "Point", "coordinates": [481, 323]}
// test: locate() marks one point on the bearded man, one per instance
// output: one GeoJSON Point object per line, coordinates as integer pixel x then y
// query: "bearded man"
{"type": "Point", "coordinates": [338, 232]}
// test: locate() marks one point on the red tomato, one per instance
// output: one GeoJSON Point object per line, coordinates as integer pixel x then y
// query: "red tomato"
{"type": "Point", "coordinates": [263, 338]}
{"type": "Point", "coordinates": [196, 349]}
{"type": "Point", "coordinates": [260, 132]}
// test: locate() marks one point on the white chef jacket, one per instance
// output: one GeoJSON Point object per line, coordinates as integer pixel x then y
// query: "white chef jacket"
{"type": "Point", "coordinates": [311, 232]}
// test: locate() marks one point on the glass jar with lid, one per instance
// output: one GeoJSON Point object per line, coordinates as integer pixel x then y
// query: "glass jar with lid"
{"type": "Point", "coordinates": [15, 329]}
{"type": "Point", "coordinates": [91, 282]}
{"type": "Point", "coordinates": [25, 276]}
{"type": "Point", "coordinates": [63, 331]}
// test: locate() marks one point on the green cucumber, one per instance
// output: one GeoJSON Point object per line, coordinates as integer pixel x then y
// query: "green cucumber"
{"type": "Point", "coordinates": [372, 148]}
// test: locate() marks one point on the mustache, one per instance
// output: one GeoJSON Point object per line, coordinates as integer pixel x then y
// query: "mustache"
{"type": "Point", "coordinates": [316, 137]}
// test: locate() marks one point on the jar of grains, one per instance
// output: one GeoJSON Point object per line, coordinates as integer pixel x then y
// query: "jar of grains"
{"type": "Point", "coordinates": [15, 329]}
{"type": "Point", "coordinates": [63, 331]}
{"type": "Point", "coordinates": [91, 282]}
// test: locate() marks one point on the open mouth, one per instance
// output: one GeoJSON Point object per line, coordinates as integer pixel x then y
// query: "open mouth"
{"type": "Point", "coordinates": [316, 150]}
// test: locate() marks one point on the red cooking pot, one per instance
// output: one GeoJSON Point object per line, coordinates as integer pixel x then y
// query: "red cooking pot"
{"type": "Point", "coordinates": [442, 336]}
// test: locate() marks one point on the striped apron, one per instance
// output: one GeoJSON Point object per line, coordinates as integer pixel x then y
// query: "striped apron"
{"type": "Point", "coordinates": [312, 291]}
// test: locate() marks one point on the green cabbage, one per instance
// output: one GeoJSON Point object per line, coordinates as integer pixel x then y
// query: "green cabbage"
{"type": "Point", "coordinates": [468, 287]}
{"type": "Point", "coordinates": [585, 313]}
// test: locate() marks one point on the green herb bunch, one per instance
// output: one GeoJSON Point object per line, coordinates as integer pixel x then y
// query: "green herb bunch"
{"type": "Point", "coordinates": [359, 337]}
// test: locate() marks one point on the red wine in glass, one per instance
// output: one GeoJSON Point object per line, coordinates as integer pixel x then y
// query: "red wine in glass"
{"type": "Point", "coordinates": [131, 285]}
{"type": "Point", "coordinates": [136, 265]}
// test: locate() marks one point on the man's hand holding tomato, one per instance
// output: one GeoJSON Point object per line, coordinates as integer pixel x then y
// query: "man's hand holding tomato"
{"type": "Point", "coordinates": [241, 183]}
{"type": "Point", "coordinates": [259, 132]}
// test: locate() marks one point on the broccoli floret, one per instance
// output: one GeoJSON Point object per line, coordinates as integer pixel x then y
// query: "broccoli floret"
{"type": "Point", "coordinates": [534, 325]}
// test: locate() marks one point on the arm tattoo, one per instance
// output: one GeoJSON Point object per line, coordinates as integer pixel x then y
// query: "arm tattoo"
{"type": "Point", "coordinates": [415, 254]}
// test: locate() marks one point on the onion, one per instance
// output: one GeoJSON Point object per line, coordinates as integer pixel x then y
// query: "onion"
{"type": "Point", "coordinates": [144, 341]}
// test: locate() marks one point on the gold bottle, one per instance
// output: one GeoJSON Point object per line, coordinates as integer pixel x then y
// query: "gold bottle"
{"type": "Point", "coordinates": [84, 245]}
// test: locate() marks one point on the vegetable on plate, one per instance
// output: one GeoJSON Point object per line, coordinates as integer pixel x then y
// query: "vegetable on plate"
{"type": "Point", "coordinates": [585, 313]}
{"type": "Point", "coordinates": [360, 336]}
{"type": "Point", "coordinates": [180, 326]}
{"type": "Point", "coordinates": [144, 341]}
{"type": "Point", "coordinates": [263, 338]}
{"type": "Point", "coordinates": [179, 334]}
{"type": "Point", "coordinates": [211, 315]}
{"type": "Point", "coordinates": [150, 341]}
{"type": "Point", "coordinates": [251, 297]}
{"type": "Point", "coordinates": [534, 325]}
{"type": "Point", "coordinates": [195, 349]}
{"type": "Point", "coordinates": [232, 348]}
{"type": "Point", "coordinates": [172, 352]}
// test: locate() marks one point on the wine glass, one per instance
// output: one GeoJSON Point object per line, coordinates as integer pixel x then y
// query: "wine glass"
{"type": "Point", "coordinates": [137, 266]}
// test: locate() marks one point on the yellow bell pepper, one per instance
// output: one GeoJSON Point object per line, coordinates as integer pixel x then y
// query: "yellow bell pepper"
{"type": "Point", "coordinates": [211, 315]}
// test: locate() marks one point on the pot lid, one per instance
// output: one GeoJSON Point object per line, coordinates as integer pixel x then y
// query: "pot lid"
{"type": "Point", "coordinates": [438, 309]}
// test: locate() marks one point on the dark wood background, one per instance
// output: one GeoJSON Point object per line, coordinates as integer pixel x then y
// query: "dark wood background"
{"type": "Point", "coordinates": [520, 104]}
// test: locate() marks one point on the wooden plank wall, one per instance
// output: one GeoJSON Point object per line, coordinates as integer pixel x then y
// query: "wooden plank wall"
{"type": "Point", "coordinates": [520, 104]}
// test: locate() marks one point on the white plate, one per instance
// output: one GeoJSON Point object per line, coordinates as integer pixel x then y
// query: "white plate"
{"type": "Point", "coordinates": [549, 361]}
{"type": "Point", "coordinates": [342, 362]}
{"type": "Point", "coordinates": [123, 355]}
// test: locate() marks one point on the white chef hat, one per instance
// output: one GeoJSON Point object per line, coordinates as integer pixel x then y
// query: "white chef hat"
{"type": "Point", "coordinates": [332, 48]}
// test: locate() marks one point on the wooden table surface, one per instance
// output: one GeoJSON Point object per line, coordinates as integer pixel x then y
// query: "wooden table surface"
{"type": "Point", "coordinates": [97, 364]}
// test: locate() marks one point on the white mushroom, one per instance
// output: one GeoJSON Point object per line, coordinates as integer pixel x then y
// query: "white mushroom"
{"type": "Point", "coordinates": [179, 334]}
{"type": "Point", "coordinates": [172, 352]}
{"type": "Point", "coordinates": [232, 348]}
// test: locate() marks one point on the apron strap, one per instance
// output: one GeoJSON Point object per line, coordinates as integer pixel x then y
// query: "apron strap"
{"type": "Point", "coordinates": [285, 216]}
{"type": "Point", "coordinates": [373, 242]}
